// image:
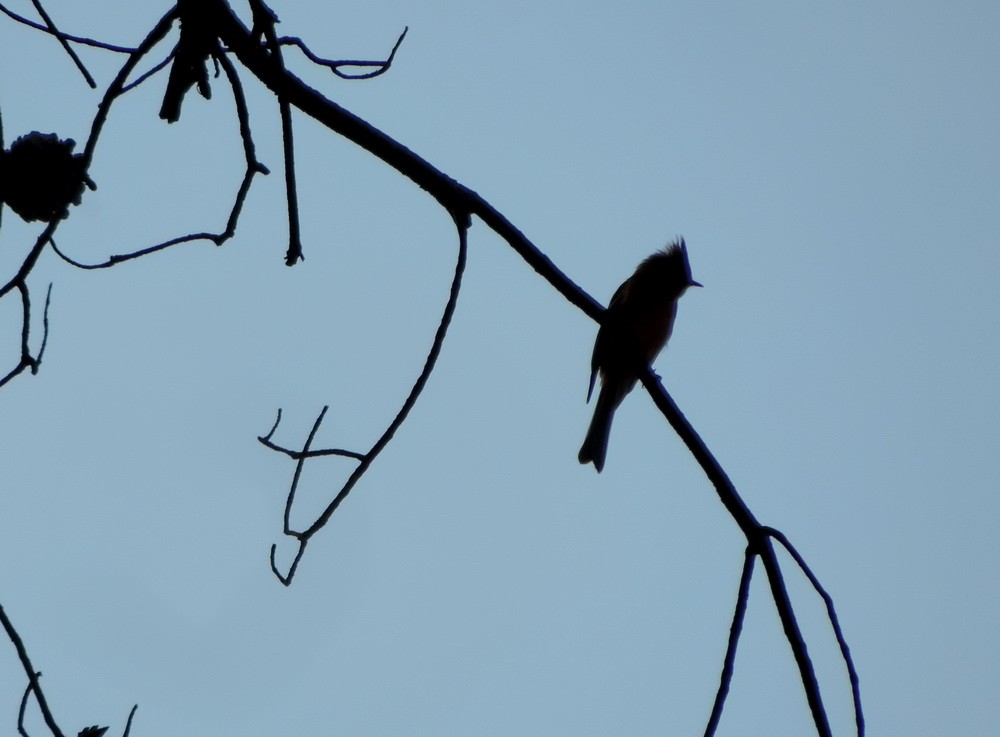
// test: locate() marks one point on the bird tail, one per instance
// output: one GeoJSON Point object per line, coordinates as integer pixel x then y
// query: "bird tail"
{"type": "Point", "coordinates": [595, 445]}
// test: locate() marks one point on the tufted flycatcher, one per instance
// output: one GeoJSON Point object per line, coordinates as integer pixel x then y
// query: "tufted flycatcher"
{"type": "Point", "coordinates": [635, 328]}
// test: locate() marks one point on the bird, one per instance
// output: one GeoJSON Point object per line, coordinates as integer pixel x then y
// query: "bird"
{"type": "Point", "coordinates": [634, 329]}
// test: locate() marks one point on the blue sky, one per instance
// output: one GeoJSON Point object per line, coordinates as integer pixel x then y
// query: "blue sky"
{"type": "Point", "coordinates": [835, 169]}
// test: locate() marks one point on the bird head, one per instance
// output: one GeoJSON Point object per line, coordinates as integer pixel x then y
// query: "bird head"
{"type": "Point", "coordinates": [670, 269]}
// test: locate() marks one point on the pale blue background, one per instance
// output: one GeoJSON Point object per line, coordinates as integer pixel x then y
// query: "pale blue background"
{"type": "Point", "coordinates": [835, 169]}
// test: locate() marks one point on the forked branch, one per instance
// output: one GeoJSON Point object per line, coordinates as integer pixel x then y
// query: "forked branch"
{"type": "Point", "coordinates": [368, 457]}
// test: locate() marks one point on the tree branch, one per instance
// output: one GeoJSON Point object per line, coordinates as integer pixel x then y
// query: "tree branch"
{"type": "Point", "coordinates": [366, 459]}
{"type": "Point", "coordinates": [735, 629]}
{"type": "Point", "coordinates": [51, 27]}
{"type": "Point", "coordinates": [381, 67]}
{"type": "Point", "coordinates": [30, 672]}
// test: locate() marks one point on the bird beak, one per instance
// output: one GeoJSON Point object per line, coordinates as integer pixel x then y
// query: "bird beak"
{"type": "Point", "coordinates": [693, 283]}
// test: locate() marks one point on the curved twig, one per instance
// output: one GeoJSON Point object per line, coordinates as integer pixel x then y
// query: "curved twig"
{"type": "Point", "coordinates": [24, 707]}
{"type": "Point", "coordinates": [365, 460]}
{"type": "Point", "coordinates": [27, 361]}
{"type": "Point", "coordinates": [128, 723]}
{"type": "Point", "coordinates": [123, 257]}
{"type": "Point", "coordinates": [253, 166]}
{"type": "Point", "coordinates": [831, 612]}
{"type": "Point", "coordinates": [286, 578]}
{"type": "Point", "coordinates": [418, 386]}
{"type": "Point", "coordinates": [334, 65]}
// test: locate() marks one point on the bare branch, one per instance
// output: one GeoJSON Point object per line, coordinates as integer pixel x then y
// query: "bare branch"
{"type": "Point", "coordinates": [29, 362]}
{"type": "Point", "coordinates": [786, 613]}
{"type": "Point", "coordinates": [298, 454]}
{"type": "Point", "coordinates": [305, 453]}
{"type": "Point", "coordinates": [298, 472]}
{"type": "Point", "coordinates": [365, 460]}
{"type": "Point", "coordinates": [274, 427]}
{"type": "Point", "coordinates": [334, 65]}
{"type": "Point", "coordinates": [294, 253]}
{"type": "Point", "coordinates": [253, 167]}
{"type": "Point", "coordinates": [26, 360]}
{"type": "Point", "coordinates": [30, 672]}
{"type": "Point", "coordinates": [83, 41]}
{"type": "Point", "coordinates": [23, 708]}
{"type": "Point", "coordinates": [115, 89]}
{"type": "Point", "coordinates": [148, 73]}
{"type": "Point", "coordinates": [757, 538]}
{"type": "Point", "coordinates": [128, 724]}
{"type": "Point", "coordinates": [831, 613]}
{"type": "Point", "coordinates": [453, 196]}
{"type": "Point", "coordinates": [264, 21]}
{"type": "Point", "coordinates": [45, 330]}
{"type": "Point", "coordinates": [216, 238]}
{"type": "Point", "coordinates": [728, 664]}
{"type": "Point", "coordinates": [18, 281]}
{"type": "Point", "coordinates": [286, 579]}
{"type": "Point", "coordinates": [62, 39]}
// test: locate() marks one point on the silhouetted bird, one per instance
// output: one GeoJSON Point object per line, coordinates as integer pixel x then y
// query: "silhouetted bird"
{"type": "Point", "coordinates": [635, 328]}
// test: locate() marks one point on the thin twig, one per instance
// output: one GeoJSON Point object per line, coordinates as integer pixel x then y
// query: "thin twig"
{"type": "Point", "coordinates": [62, 40]}
{"type": "Point", "coordinates": [115, 89]}
{"type": "Point", "coordinates": [83, 41]}
{"type": "Point", "coordinates": [24, 706]}
{"type": "Point", "coordinates": [148, 73]}
{"type": "Point", "coordinates": [298, 454]}
{"type": "Point", "coordinates": [27, 361]}
{"type": "Point", "coordinates": [274, 427]}
{"type": "Point", "coordinates": [789, 623]}
{"type": "Point", "coordinates": [418, 386]}
{"type": "Point", "coordinates": [335, 64]}
{"type": "Point", "coordinates": [366, 459]}
{"type": "Point", "coordinates": [253, 166]}
{"type": "Point", "coordinates": [128, 724]}
{"type": "Point", "coordinates": [121, 258]}
{"type": "Point", "coordinates": [298, 471]}
{"type": "Point", "coordinates": [831, 613]}
{"type": "Point", "coordinates": [735, 629]}
{"type": "Point", "coordinates": [294, 253]}
{"type": "Point", "coordinates": [266, 20]}
{"type": "Point", "coordinates": [45, 330]}
{"type": "Point", "coordinates": [30, 672]}
{"type": "Point", "coordinates": [286, 578]}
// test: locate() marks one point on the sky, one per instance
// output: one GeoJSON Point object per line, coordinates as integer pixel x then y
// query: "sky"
{"type": "Point", "coordinates": [835, 170]}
